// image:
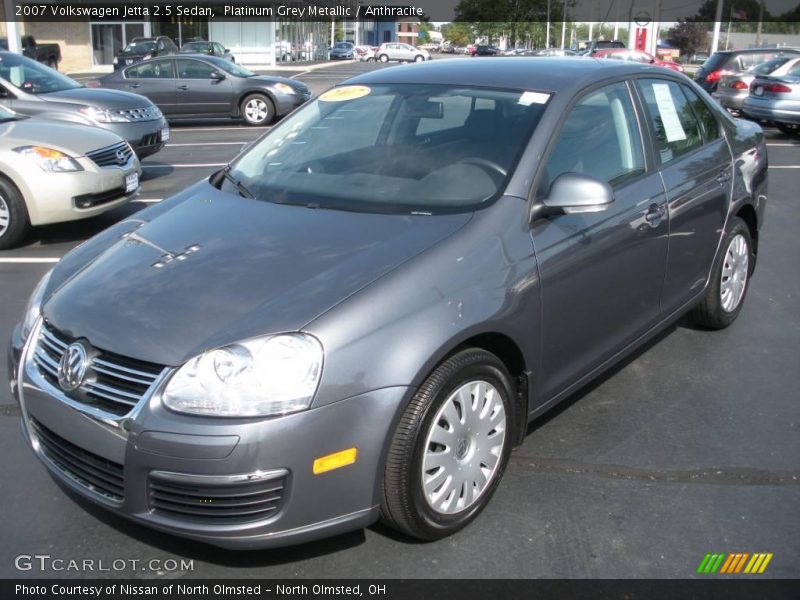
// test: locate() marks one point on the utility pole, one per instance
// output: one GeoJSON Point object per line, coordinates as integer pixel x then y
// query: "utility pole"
{"type": "Point", "coordinates": [564, 25]}
{"type": "Point", "coordinates": [547, 30]}
{"type": "Point", "coordinates": [717, 23]}
{"type": "Point", "coordinates": [760, 20]}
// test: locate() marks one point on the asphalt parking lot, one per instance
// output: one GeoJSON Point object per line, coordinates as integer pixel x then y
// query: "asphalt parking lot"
{"type": "Point", "coordinates": [691, 446]}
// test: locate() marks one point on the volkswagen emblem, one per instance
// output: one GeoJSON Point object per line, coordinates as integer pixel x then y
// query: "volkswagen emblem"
{"type": "Point", "coordinates": [121, 158]}
{"type": "Point", "coordinates": [72, 367]}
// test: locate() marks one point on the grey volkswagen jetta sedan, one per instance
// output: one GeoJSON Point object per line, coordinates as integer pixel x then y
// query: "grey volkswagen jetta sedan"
{"type": "Point", "coordinates": [360, 315]}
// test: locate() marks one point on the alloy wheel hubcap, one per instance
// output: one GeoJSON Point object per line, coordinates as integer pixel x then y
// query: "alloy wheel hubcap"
{"type": "Point", "coordinates": [256, 110]}
{"type": "Point", "coordinates": [5, 216]}
{"type": "Point", "coordinates": [734, 273]}
{"type": "Point", "coordinates": [463, 447]}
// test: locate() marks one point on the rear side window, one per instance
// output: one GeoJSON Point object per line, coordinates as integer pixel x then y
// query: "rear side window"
{"type": "Point", "coordinates": [673, 121]}
{"type": "Point", "coordinates": [708, 121]}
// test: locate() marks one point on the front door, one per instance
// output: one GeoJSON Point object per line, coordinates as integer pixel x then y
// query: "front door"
{"type": "Point", "coordinates": [199, 92]}
{"type": "Point", "coordinates": [156, 80]}
{"type": "Point", "coordinates": [601, 273]}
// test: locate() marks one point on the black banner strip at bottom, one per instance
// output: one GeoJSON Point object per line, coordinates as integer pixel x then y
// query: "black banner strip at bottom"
{"type": "Point", "coordinates": [394, 589]}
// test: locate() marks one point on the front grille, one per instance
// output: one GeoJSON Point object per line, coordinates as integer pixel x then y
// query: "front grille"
{"type": "Point", "coordinates": [151, 139]}
{"type": "Point", "coordinates": [113, 383]}
{"type": "Point", "coordinates": [94, 472]}
{"type": "Point", "coordinates": [150, 113]}
{"type": "Point", "coordinates": [195, 500]}
{"type": "Point", "coordinates": [112, 156]}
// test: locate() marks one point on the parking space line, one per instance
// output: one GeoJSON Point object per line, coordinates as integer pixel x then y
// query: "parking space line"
{"type": "Point", "coordinates": [784, 166]}
{"type": "Point", "coordinates": [208, 144]}
{"type": "Point", "coordinates": [781, 145]}
{"type": "Point", "coordinates": [29, 260]}
{"type": "Point", "coordinates": [148, 200]}
{"type": "Point", "coordinates": [184, 166]}
{"type": "Point", "coordinates": [176, 130]}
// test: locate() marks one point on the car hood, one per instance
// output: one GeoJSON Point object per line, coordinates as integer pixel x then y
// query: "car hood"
{"type": "Point", "coordinates": [102, 98]}
{"type": "Point", "coordinates": [272, 80]}
{"type": "Point", "coordinates": [73, 139]}
{"type": "Point", "coordinates": [239, 268]}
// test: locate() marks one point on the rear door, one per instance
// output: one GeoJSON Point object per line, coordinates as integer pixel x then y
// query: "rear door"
{"type": "Point", "coordinates": [601, 273]}
{"type": "Point", "coordinates": [156, 80]}
{"type": "Point", "coordinates": [697, 168]}
{"type": "Point", "coordinates": [199, 92]}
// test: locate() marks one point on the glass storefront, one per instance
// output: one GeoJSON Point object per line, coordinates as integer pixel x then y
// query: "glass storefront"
{"type": "Point", "coordinates": [181, 31]}
{"type": "Point", "coordinates": [299, 41]}
{"type": "Point", "coordinates": [108, 39]}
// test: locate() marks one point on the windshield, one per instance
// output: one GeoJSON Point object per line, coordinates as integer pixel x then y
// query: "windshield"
{"type": "Point", "coordinates": [140, 47]}
{"type": "Point", "coordinates": [769, 66]}
{"type": "Point", "coordinates": [33, 77]}
{"type": "Point", "coordinates": [396, 148]}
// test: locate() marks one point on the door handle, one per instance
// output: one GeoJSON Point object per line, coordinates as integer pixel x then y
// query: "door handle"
{"type": "Point", "coordinates": [134, 85]}
{"type": "Point", "coordinates": [183, 87]}
{"type": "Point", "coordinates": [724, 177]}
{"type": "Point", "coordinates": [654, 215]}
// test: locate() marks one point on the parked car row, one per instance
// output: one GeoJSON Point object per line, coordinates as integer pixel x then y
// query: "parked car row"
{"type": "Point", "coordinates": [142, 48]}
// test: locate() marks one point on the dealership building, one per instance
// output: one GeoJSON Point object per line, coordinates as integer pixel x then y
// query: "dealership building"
{"type": "Point", "coordinates": [92, 44]}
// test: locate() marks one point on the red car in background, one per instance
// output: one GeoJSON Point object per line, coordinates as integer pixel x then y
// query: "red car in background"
{"type": "Point", "coordinates": [637, 56]}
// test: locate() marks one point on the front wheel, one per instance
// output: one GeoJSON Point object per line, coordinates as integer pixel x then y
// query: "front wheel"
{"type": "Point", "coordinates": [257, 110]}
{"type": "Point", "coordinates": [729, 281]}
{"type": "Point", "coordinates": [788, 128]}
{"type": "Point", "coordinates": [383, 58]}
{"type": "Point", "coordinates": [419, 58]}
{"type": "Point", "coordinates": [14, 222]}
{"type": "Point", "coordinates": [450, 448]}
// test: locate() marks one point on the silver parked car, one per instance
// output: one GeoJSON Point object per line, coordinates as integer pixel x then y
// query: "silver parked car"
{"type": "Point", "coordinates": [334, 329]}
{"type": "Point", "coordinates": [401, 52]}
{"type": "Point", "coordinates": [31, 88]}
{"type": "Point", "coordinates": [732, 89]}
{"type": "Point", "coordinates": [52, 172]}
{"type": "Point", "coordinates": [776, 99]}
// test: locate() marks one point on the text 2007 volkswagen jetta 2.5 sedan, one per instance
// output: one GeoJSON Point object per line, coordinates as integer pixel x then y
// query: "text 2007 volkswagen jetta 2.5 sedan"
{"type": "Point", "coordinates": [360, 315]}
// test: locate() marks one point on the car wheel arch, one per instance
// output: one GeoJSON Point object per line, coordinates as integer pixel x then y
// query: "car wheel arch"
{"type": "Point", "coordinates": [242, 95]}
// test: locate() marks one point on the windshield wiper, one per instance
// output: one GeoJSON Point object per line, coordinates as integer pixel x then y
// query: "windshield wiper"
{"type": "Point", "coordinates": [240, 187]}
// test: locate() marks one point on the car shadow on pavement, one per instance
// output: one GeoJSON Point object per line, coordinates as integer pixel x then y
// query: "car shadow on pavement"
{"type": "Point", "coordinates": [155, 170]}
{"type": "Point", "coordinates": [211, 554]}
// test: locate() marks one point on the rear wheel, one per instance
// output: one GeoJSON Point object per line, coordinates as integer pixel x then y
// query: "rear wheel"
{"type": "Point", "coordinates": [725, 295]}
{"type": "Point", "coordinates": [257, 110]}
{"type": "Point", "coordinates": [450, 447]}
{"type": "Point", "coordinates": [14, 222]}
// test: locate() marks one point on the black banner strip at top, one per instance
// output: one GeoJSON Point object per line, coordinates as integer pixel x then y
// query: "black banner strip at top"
{"type": "Point", "coordinates": [786, 12]}
{"type": "Point", "coordinates": [464, 589]}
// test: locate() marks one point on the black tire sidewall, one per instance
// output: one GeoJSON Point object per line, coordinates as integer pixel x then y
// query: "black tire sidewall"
{"type": "Point", "coordinates": [432, 523]}
{"type": "Point", "coordinates": [18, 223]}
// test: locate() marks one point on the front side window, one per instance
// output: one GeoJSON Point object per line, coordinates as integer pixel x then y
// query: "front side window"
{"type": "Point", "coordinates": [600, 138]}
{"type": "Point", "coordinates": [159, 69]}
{"type": "Point", "coordinates": [673, 121]}
{"type": "Point", "coordinates": [379, 149]}
{"type": "Point", "coordinates": [194, 69]}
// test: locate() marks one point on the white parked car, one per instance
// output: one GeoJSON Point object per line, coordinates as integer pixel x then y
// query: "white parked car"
{"type": "Point", "coordinates": [53, 171]}
{"type": "Point", "coordinates": [401, 52]}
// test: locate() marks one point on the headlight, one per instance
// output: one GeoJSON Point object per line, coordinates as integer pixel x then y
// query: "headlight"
{"type": "Point", "coordinates": [285, 88]}
{"type": "Point", "coordinates": [48, 159]}
{"type": "Point", "coordinates": [264, 376]}
{"type": "Point", "coordinates": [102, 115]}
{"type": "Point", "coordinates": [34, 307]}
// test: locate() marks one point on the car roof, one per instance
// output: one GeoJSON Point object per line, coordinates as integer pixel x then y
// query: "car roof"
{"type": "Point", "coordinates": [756, 51]}
{"type": "Point", "coordinates": [552, 74]}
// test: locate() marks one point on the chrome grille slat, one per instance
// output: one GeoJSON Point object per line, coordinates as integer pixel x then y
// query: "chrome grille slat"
{"type": "Point", "coordinates": [107, 157]}
{"type": "Point", "coordinates": [114, 384]}
{"type": "Point", "coordinates": [140, 114]}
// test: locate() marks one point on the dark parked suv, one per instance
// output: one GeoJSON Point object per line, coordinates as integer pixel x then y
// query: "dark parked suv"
{"type": "Point", "coordinates": [734, 61]}
{"type": "Point", "coordinates": [142, 48]}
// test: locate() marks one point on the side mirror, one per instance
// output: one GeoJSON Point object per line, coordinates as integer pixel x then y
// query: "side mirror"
{"type": "Point", "coordinates": [217, 76]}
{"type": "Point", "coordinates": [573, 193]}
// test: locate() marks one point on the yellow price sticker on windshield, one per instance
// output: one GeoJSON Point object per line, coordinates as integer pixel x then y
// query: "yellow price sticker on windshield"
{"type": "Point", "coordinates": [347, 92]}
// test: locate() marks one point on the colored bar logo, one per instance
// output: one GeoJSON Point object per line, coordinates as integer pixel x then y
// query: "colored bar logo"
{"type": "Point", "coordinates": [735, 563]}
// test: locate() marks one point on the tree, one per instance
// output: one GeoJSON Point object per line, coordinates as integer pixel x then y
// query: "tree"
{"type": "Point", "coordinates": [688, 36]}
{"type": "Point", "coordinates": [458, 34]}
{"type": "Point", "coordinates": [492, 18]}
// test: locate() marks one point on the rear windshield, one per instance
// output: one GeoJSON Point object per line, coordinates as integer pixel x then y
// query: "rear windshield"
{"type": "Point", "coordinates": [394, 148]}
{"type": "Point", "coordinates": [715, 61]}
{"type": "Point", "coordinates": [138, 47]}
{"type": "Point", "coordinates": [769, 66]}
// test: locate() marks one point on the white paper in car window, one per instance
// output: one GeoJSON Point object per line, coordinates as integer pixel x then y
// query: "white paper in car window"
{"type": "Point", "coordinates": [669, 115]}
{"type": "Point", "coordinates": [528, 98]}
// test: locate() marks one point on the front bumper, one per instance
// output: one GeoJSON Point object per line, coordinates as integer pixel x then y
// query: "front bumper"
{"type": "Point", "coordinates": [154, 439]}
{"type": "Point", "coordinates": [145, 137]}
{"type": "Point", "coordinates": [286, 103]}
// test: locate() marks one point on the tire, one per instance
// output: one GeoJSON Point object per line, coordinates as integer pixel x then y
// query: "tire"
{"type": "Point", "coordinates": [730, 279]}
{"type": "Point", "coordinates": [419, 58]}
{"type": "Point", "coordinates": [257, 109]}
{"type": "Point", "coordinates": [437, 508]}
{"type": "Point", "coordinates": [384, 58]}
{"type": "Point", "coordinates": [14, 221]}
{"type": "Point", "coordinates": [789, 128]}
